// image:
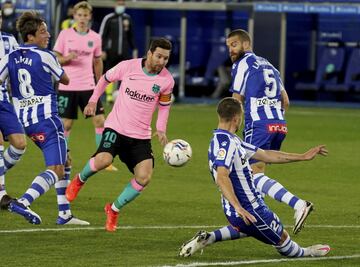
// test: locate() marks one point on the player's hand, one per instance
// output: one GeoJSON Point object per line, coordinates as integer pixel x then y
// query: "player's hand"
{"type": "Point", "coordinates": [90, 109]}
{"type": "Point", "coordinates": [247, 217]}
{"type": "Point", "coordinates": [71, 56]}
{"type": "Point", "coordinates": [311, 153]}
{"type": "Point", "coordinates": [104, 55]}
{"type": "Point", "coordinates": [162, 137]}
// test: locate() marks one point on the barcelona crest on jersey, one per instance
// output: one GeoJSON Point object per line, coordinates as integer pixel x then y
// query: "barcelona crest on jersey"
{"type": "Point", "coordinates": [156, 88]}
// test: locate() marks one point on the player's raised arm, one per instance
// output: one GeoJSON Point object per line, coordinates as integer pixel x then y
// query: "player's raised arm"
{"type": "Point", "coordinates": [65, 60]}
{"type": "Point", "coordinates": [272, 156]}
{"type": "Point", "coordinates": [90, 108]}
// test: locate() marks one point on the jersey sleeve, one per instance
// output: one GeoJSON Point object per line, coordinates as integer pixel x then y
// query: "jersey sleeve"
{"type": "Point", "coordinates": [98, 47]}
{"type": "Point", "coordinates": [165, 96]}
{"type": "Point", "coordinates": [116, 73]}
{"type": "Point", "coordinates": [225, 154]}
{"type": "Point", "coordinates": [249, 148]}
{"type": "Point", "coordinates": [4, 72]}
{"type": "Point", "coordinates": [59, 44]}
{"type": "Point", "coordinates": [13, 44]}
{"type": "Point", "coordinates": [51, 64]}
{"type": "Point", "coordinates": [241, 74]}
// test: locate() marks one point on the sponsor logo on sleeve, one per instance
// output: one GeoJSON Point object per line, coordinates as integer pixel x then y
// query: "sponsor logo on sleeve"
{"type": "Point", "coordinates": [221, 154]}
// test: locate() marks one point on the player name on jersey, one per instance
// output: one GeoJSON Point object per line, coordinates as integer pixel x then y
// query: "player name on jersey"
{"type": "Point", "coordinates": [24, 60]}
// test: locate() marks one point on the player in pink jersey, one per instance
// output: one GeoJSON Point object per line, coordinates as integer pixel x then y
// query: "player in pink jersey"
{"type": "Point", "coordinates": [145, 85]}
{"type": "Point", "coordinates": [79, 51]}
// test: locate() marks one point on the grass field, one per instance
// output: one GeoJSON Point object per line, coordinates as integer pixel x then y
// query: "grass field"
{"type": "Point", "coordinates": [181, 201]}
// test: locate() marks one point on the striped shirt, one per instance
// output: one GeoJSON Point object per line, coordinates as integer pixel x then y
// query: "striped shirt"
{"type": "Point", "coordinates": [8, 44]}
{"type": "Point", "coordinates": [229, 151]}
{"type": "Point", "coordinates": [31, 70]}
{"type": "Point", "coordinates": [259, 82]}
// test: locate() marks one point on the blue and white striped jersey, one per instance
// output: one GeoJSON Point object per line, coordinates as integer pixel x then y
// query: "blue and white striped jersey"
{"type": "Point", "coordinates": [30, 70]}
{"type": "Point", "coordinates": [228, 150]}
{"type": "Point", "coordinates": [8, 44]}
{"type": "Point", "coordinates": [259, 82]}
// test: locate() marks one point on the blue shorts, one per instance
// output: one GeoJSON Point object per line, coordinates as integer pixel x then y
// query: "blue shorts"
{"type": "Point", "coordinates": [265, 135]}
{"type": "Point", "coordinates": [48, 135]}
{"type": "Point", "coordinates": [267, 229]}
{"type": "Point", "coordinates": [9, 122]}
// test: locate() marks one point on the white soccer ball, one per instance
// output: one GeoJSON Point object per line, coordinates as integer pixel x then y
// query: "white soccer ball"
{"type": "Point", "coordinates": [177, 152]}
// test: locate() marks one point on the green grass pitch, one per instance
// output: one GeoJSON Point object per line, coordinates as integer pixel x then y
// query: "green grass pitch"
{"type": "Point", "coordinates": [153, 227]}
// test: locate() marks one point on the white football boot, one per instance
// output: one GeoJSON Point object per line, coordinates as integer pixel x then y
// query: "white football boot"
{"type": "Point", "coordinates": [71, 220]}
{"type": "Point", "coordinates": [301, 215]}
{"type": "Point", "coordinates": [194, 244]}
{"type": "Point", "coordinates": [317, 250]}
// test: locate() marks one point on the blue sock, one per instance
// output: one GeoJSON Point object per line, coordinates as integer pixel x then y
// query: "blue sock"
{"type": "Point", "coordinates": [11, 156]}
{"type": "Point", "coordinates": [225, 233]}
{"type": "Point", "coordinates": [60, 187]}
{"type": "Point", "coordinates": [276, 191]}
{"type": "Point", "coordinates": [39, 186]}
{"type": "Point", "coordinates": [290, 249]}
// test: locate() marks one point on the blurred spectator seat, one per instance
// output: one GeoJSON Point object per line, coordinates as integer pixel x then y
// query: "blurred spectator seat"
{"type": "Point", "coordinates": [217, 57]}
{"type": "Point", "coordinates": [328, 70]}
{"type": "Point", "coordinates": [352, 75]}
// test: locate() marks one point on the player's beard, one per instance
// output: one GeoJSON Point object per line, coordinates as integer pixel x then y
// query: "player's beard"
{"type": "Point", "coordinates": [237, 56]}
{"type": "Point", "coordinates": [156, 68]}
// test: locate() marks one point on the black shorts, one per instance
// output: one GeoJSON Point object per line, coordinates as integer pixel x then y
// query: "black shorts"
{"type": "Point", "coordinates": [131, 151]}
{"type": "Point", "coordinates": [69, 101]}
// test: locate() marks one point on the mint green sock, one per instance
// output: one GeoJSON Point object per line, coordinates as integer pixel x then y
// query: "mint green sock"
{"type": "Point", "coordinates": [86, 172]}
{"type": "Point", "coordinates": [126, 196]}
{"type": "Point", "coordinates": [98, 139]}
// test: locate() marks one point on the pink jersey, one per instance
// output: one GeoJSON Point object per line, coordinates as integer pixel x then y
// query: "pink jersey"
{"type": "Point", "coordinates": [139, 95]}
{"type": "Point", "coordinates": [79, 70]}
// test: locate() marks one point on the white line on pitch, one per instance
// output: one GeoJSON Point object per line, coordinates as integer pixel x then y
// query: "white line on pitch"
{"type": "Point", "coordinates": [155, 227]}
{"type": "Point", "coordinates": [229, 263]}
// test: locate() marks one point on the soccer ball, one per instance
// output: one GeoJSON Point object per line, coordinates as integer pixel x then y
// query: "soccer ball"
{"type": "Point", "coordinates": [177, 153]}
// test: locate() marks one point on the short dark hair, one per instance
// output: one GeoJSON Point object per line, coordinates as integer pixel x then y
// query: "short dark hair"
{"type": "Point", "coordinates": [28, 23]}
{"type": "Point", "coordinates": [228, 108]}
{"type": "Point", "coordinates": [242, 34]}
{"type": "Point", "coordinates": [160, 42]}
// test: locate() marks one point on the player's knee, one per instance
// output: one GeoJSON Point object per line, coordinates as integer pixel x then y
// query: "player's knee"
{"type": "Point", "coordinates": [59, 170]}
{"type": "Point", "coordinates": [99, 121]}
{"type": "Point", "coordinates": [67, 124]}
{"type": "Point", "coordinates": [102, 160]}
{"type": "Point", "coordinates": [144, 177]}
{"type": "Point", "coordinates": [284, 236]}
{"type": "Point", "coordinates": [20, 144]}
{"type": "Point", "coordinates": [18, 141]}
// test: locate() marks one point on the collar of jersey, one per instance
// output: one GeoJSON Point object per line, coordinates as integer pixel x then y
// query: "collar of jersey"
{"type": "Point", "coordinates": [81, 33]}
{"type": "Point", "coordinates": [147, 73]}
{"type": "Point", "coordinates": [222, 131]}
{"type": "Point", "coordinates": [29, 46]}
